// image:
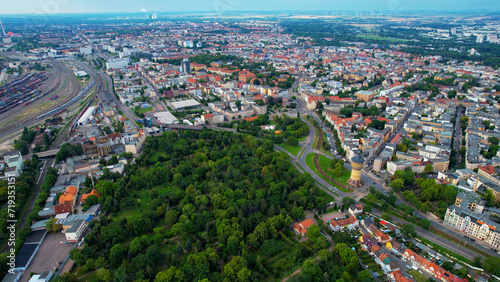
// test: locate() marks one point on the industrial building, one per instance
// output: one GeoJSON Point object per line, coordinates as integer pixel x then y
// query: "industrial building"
{"type": "Point", "coordinates": [86, 50]}
{"type": "Point", "coordinates": [87, 116]}
{"type": "Point", "coordinates": [117, 63]}
{"type": "Point", "coordinates": [165, 117]}
{"type": "Point", "coordinates": [182, 105]}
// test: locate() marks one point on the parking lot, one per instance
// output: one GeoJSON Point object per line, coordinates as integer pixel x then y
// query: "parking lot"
{"type": "Point", "coordinates": [49, 254]}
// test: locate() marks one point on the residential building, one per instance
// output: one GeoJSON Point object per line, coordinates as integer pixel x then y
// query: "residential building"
{"type": "Point", "coordinates": [341, 224]}
{"type": "Point", "coordinates": [302, 227]}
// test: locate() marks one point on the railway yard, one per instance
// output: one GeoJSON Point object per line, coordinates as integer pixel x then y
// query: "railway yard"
{"type": "Point", "coordinates": [37, 96]}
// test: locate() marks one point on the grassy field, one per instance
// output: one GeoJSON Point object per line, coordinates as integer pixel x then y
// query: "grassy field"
{"type": "Point", "coordinates": [144, 110]}
{"type": "Point", "coordinates": [90, 277]}
{"type": "Point", "coordinates": [315, 143]}
{"type": "Point", "coordinates": [324, 163]}
{"type": "Point", "coordinates": [293, 150]}
{"type": "Point", "coordinates": [417, 276]}
{"type": "Point", "coordinates": [367, 27]}
{"type": "Point", "coordinates": [376, 37]}
{"type": "Point", "coordinates": [328, 197]}
{"type": "Point", "coordinates": [323, 150]}
{"type": "Point", "coordinates": [310, 163]}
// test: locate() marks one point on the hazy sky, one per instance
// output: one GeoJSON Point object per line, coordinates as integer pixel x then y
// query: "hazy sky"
{"type": "Point", "coordinates": [106, 6]}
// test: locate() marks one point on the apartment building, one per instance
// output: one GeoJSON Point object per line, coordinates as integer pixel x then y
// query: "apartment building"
{"type": "Point", "coordinates": [468, 214]}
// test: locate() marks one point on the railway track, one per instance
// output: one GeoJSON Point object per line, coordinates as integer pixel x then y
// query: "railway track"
{"type": "Point", "coordinates": [316, 161]}
{"type": "Point", "coordinates": [11, 126]}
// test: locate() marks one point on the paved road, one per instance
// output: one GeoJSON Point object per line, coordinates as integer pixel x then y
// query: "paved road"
{"type": "Point", "coordinates": [452, 246]}
{"type": "Point", "coordinates": [108, 94]}
{"type": "Point", "coordinates": [370, 180]}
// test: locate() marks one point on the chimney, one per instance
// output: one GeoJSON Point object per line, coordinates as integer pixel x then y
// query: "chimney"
{"type": "Point", "coordinates": [476, 184]}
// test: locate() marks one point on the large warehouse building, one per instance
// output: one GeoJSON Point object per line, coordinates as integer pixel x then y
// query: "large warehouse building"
{"type": "Point", "coordinates": [87, 116]}
{"type": "Point", "coordinates": [186, 104]}
{"type": "Point", "coordinates": [165, 117]}
{"type": "Point", "coordinates": [117, 63]}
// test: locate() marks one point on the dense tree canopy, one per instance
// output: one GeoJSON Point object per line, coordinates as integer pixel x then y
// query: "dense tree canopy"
{"type": "Point", "coordinates": [199, 202]}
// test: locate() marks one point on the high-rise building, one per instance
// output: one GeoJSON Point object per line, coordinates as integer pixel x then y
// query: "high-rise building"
{"type": "Point", "coordinates": [153, 17]}
{"type": "Point", "coordinates": [480, 38]}
{"type": "Point", "coordinates": [186, 66]}
{"type": "Point", "coordinates": [357, 164]}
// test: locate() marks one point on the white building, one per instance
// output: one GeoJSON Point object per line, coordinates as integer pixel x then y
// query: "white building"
{"type": "Point", "coordinates": [117, 63]}
{"type": "Point", "coordinates": [75, 232]}
{"type": "Point", "coordinates": [45, 276]}
{"type": "Point", "coordinates": [468, 215]}
{"type": "Point", "coordinates": [480, 38]}
{"type": "Point", "coordinates": [13, 160]}
{"type": "Point", "coordinates": [341, 224]}
{"type": "Point", "coordinates": [87, 116]}
{"type": "Point", "coordinates": [86, 50]}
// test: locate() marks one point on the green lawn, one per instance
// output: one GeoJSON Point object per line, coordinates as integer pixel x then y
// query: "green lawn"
{"type": "Point", "coordinates": [323, 150]}
{"type": "Point", "coordinates": [316, 140]}
{"type": "Point", "coordinates": [330, 210]}
{"type": "Point", "coordinates": [294, 150]}
{"type": "Point", "coordinates": [143, 198]}
{"type": "Point", "coordinates": [90, 277]}
{"type": "Point", "coordinates": [164, 190]}
{"type": "Point", "coordinates": [417, 276]}
{"type": "Point", "coordinates": [310, 163]}
{"type": "Point", "coordinates": [377, 37]}
{"type": "Point", "coordinates": [328, 197]}
{"type": "Point", "coordinates": [144, 110]}
{"type": "Point", "coordinates": [324, 163]}
{"type": "Point", "coordinates": [316, 137]}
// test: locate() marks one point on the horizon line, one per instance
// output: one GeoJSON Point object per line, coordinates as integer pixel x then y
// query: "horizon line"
{"type": "Point", "coordinates": [317, 12]}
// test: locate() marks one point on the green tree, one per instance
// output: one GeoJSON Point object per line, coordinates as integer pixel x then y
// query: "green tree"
{"type": "Point", "coordinates": [364, 276]}
{"type": "Point", "coordinates": [292, 141]}
{"type": "Point", "coordinates": [234, 267]}
{"type": "Point", "coordinates": [121, 275]}
{"type": "Point", "coordinates": [492, 264]}
{"type": "Point", "coordinates": [477, 261]}
{"type": "Point", "coordinates": [173, 274]}
{"type": "Point", "coordinates": [52, 226]}
{"type": "Point", "coordinates": [313, 232]}
{"type": "Point", "coordinates": [397, 185]}
{"type": "Point", "coordinates": [409, 230]}
{"type": "Point", "coordinates": [116, 255]}
{"type": "Point", "coordinates": [103, 275]}
{"type": "Point", "coordinates": [428, 168]}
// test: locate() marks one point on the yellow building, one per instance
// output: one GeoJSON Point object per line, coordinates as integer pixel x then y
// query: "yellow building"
{"type": "Point", "coordinates": [365, 95]}
{"type": "Point", "coordinates": [357, 164]}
